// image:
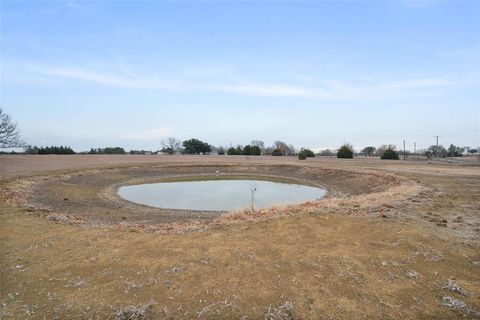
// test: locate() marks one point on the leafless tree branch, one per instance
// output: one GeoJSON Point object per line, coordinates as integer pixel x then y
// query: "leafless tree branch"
{"type": "Point", "coordinates": [9, 133]}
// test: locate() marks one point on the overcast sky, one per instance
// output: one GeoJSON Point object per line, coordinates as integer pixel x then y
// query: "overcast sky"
{"type": "Point", "coordinates": [314, 74]}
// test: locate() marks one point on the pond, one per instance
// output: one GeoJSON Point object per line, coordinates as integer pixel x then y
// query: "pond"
{"type": "Point", "coordinates": [219, 195]}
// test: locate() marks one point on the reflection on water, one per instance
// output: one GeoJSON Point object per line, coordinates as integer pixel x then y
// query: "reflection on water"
{"type": "Point", "coordinates": [219, 195]}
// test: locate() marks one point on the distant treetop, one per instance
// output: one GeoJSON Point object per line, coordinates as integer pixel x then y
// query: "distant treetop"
{"type": "Point", "coordinates": [195, 146]}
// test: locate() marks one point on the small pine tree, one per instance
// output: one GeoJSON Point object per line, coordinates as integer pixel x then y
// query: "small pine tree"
{"type": "Point", "coordinates": [255, 151]}
{"type": "Point", "coordinates": [231, 151]}
{"type": "Point", "coordinates": [239, 150]}
{"type": "Point", "coordinates": [247, 150]}
{"type": "Point", "coordinates": [345, 151]}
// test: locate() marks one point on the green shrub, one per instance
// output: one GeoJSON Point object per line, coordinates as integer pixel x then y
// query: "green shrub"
{"type": "Point", "coordinates": [389, 154]}
{"type": "Point", "coordinates": [308, 153]}
{"type": "Point", "coordinates": [345, 151]}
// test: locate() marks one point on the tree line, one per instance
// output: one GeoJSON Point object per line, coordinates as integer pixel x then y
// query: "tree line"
{"type": "Point", "coordinates": [195, 146]}
{"type": "Point", "coordinates": [49, 150]}
{"type": "Point", "coordinates": [107, 150]}
{"type": "Point", "coordinates": [257, 148]}
{"type": "Point", "coordinates": [248, 150]}
{"type": "Point", "coordinates": [68, 150]}
{"type": "Point", "coordinates": [390, 152]}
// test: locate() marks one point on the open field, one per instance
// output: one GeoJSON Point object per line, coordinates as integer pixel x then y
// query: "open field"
{"type": "Point", "coordinates": [391, 240]}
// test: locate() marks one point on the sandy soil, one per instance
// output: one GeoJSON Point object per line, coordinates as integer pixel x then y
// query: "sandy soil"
{"type": "Point", "coordinates": [393, 240]}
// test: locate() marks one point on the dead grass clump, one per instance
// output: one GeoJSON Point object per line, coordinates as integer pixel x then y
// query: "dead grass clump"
{"type": "Point", "coordinates": [175, 270]}
{"type": "Point", "coordinates": [454, 287]}
{"type": "Point", "coordinates": [430, 255]}
{"type": "Point", "coordinates": [461, 307]}
{"type": "Point", "coordinates": [133, 312]}
{"type": "Point", "coordinates": [284, 311]}
{"type": "Point", "coordinates": [455, 304]}
{"type": "Point", "coordinates": [412, 274]}
{"type": "Point", "coordinates": [57, 218]}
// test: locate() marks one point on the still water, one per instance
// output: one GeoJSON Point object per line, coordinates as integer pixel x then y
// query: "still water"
{"type": "Point", "coordinates": [219, 195]}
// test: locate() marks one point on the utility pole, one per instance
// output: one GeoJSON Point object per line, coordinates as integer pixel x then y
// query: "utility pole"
{"type": "Point", "coordinates": [414, 147]}
{"type": "Point", "coordinates": [436, 149]}
{"type": "Point", "coordinates": [404, 154]}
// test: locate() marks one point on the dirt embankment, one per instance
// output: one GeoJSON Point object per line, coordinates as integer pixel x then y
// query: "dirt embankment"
{"type": "Point", "coordinates": [89, 197]}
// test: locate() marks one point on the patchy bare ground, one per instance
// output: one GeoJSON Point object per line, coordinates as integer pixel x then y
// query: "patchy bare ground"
{"type": "Point", "coordinates": [392, 240]}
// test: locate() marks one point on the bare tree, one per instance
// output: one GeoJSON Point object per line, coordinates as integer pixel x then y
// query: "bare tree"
{"type": "Point", "coordinates": [269, 150]}
{"type": "Point", "coordinates": [327, 153]}
{"type": "Point", "coordinates": [284, 148]}
{"type": "Point", "coordinates": [171, 145]}
{"type": "Point", "coordinates": [9, 133]}
{"type": "Point", "coordinates": [369, 151]}
{"type": "Point", "coordinates": [438, 151]}
{"type": "Point", "coordinates": [291, 149]}
{"type": "Point", "coordinates": [380, 150]}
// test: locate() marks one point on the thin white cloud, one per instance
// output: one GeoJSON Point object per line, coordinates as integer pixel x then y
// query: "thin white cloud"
{"type": "Point", "coordinates": [109, 79]}
{"type": "Point", "coordinates": [393, 89]}
{"type": "Point", "coordinates": [419, 3]}
{"type": "Point", "coordinates": [323, 90]}
{"type": "Point", "coordinates": [417, 83]}
{"type": "Point", "coordinates": [152, 134]}
{"type": "Point", "coordinates": [276, 90]}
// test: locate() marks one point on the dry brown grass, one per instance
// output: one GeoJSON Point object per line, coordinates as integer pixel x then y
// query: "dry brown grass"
{"type": "Point", "coordinates": [387, 254]}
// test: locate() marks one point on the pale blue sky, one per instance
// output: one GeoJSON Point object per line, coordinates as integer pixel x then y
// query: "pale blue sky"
{"type": "Point", "coordinates": [314, 74]}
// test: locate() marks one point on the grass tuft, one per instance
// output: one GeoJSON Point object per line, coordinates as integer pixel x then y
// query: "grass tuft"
{"type": "Point", "coordinates": [133, 312]}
